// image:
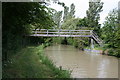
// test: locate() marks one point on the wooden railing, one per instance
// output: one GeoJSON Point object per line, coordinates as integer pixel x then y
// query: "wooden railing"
{"type": "Point", "coordinates": [97, 39]}
{"type": "Point", "coordinates": [66, 33]}
{"type": "Point", "coordinates": [53, 32]}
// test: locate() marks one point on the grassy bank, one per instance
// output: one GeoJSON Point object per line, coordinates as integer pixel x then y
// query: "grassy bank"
{"type": "Point", "coordinates": [31, 62]}
{"type": "Point", "coordinates": [104, 50]}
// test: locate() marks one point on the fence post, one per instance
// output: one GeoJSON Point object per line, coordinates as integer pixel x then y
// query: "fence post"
{"type": "Point", "coordinates": [59, 32]}
{"type": "Point", "coordinates": [36, 32]}
{"type": "Point", "coordinates": [70, 32]}
{"type": "Point", "coordinates": [47, 32]}
{"type": "Point", "coordinates": [91, 31]}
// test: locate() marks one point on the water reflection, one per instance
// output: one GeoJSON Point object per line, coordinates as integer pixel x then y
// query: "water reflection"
{"type": "Point", "coordinates": [84, 64]}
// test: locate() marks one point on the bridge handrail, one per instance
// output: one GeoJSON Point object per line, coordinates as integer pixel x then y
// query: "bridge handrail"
{"type": "Point", "coordinates": [61, 31]}
{"type": "Point", "coordinates": [58, 30]}
{"type": "Point", "coordinates": [96, 36]}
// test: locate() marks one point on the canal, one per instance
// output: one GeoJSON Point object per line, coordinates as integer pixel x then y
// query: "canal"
{"type": "Point", "coordinates": [83, 64]}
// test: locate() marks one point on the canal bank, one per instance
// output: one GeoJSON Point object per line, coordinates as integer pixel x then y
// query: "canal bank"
{"type": "Point", "coordinates": [31, 62]}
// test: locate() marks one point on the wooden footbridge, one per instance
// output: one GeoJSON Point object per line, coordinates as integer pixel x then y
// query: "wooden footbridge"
{"type": "Point", "coordinates": [66, 33]}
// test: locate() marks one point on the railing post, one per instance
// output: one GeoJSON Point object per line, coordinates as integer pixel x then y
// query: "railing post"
{"type": "Point", "coordinates": [59, 32]}
{"type": "Point", "coordinates": [91, 32]}
{"type": "Point", "coordinates": [35, 32]}
{"type": "Point", "coordinates": [47, 32]}
{"type": "Point", "coordinates": [70, 32]}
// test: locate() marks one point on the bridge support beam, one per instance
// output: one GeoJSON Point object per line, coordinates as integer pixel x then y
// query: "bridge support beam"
{"type": "Point", "coordinates": [92, 44]}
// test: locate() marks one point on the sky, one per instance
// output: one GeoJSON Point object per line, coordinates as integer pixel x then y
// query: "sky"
{"type": "Point", "coordinates": [82, 5]}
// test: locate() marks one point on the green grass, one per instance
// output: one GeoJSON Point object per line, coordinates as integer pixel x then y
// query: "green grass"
{"type": "Point", "coordinates": [31, 62]}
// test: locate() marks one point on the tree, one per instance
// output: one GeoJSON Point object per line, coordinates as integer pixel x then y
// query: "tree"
{"type": "Point", "coordinates": [69, 14]}
{"type": "Point", "coordinates": [57, 18]}
{"type": "Point", "coordinates": [66, 12]}
{"type": "Point", "coordinates": [17, 19]}
{"type": "Point", "coordinates": [82, 23]}
{"type": "Point", "coordinates": [70, 24]}
{"type": "Point", "coordinates": [72, 11]}
{"type": "Point", "coordinates": [93, 14]}
{"type": "Point", "coordinates": [110, 33]}
{"type": "Point", "coordinates": [110, 27]}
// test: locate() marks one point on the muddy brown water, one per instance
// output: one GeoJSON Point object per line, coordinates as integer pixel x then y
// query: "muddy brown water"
{"type": "Point", "coordinates": [83, 64]}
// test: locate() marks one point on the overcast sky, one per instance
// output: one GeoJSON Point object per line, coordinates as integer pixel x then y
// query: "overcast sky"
{"type": "Point", "coordinates": [82, 5]}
